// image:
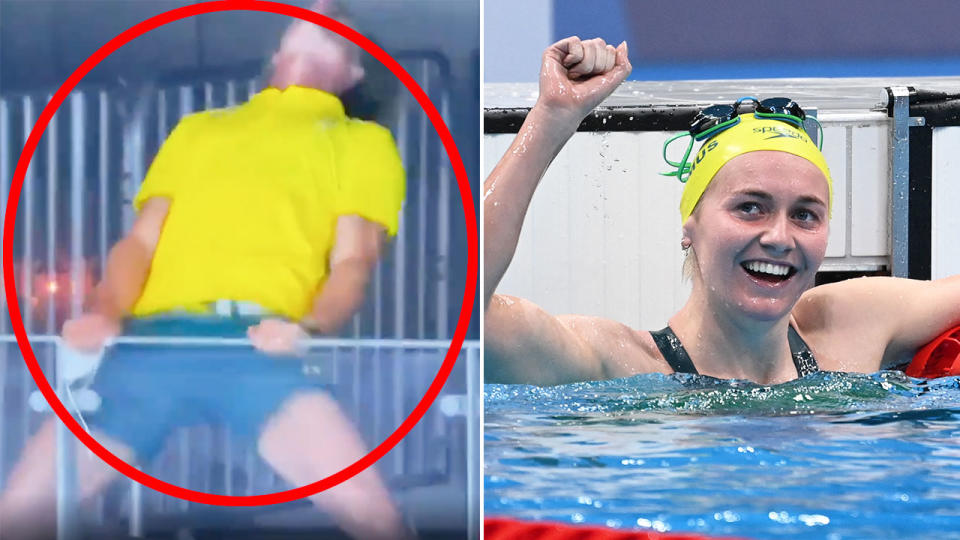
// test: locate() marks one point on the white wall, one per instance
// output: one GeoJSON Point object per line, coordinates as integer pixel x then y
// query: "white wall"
{"type": "Point", "coordinates": [602, 237]}
{"type": "Point", "coordinates": [945, 217]}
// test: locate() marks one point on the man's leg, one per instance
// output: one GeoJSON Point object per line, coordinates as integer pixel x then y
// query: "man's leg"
{"type": "Point", "coordinates": [310, 438]}
{"type": "Point", "coordinates": [28, 504]}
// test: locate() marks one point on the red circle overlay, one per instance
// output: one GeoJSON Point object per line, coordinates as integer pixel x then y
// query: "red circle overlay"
{"type": "Point", "coordinates": [470, 220]}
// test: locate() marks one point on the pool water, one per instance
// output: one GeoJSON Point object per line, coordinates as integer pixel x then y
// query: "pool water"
{"type": "Point", "coordinates": [829, 456]}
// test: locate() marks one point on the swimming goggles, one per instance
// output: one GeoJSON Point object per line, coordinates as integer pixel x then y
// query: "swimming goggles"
{"type": "Point", "coordinates": [717, 118]}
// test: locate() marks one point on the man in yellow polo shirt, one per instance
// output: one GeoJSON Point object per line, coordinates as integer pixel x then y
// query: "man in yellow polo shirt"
{"type": "Point", "coordinates": [277, 209]}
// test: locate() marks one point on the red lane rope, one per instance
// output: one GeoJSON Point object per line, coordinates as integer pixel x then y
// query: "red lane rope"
{"type": "Point", "coordinates": [510, 529]}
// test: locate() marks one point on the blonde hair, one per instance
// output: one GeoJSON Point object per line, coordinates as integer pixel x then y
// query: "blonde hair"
{"type": "Point", "coordinates": [690, 264]}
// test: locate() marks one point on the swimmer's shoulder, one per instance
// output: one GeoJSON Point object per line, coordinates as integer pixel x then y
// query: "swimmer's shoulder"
{"type": "Point", "coordinates": [525, 344]}
{"type": "Point", "coordinates": [652, 358]}
{"type": "Point", "coordinates": [841, 304]}
{"type": "Point", "coordinates": [835, 322]}
{"type": "Point", "coordinates": [628, 351]}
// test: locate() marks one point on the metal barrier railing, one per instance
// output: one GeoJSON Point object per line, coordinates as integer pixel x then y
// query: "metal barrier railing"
{"type": "Point", "coordinates": [414, 461]}
{"type": "Point", "coordinates": [96, 151]}
{"type": "Point", "coordinates": [75, 205]}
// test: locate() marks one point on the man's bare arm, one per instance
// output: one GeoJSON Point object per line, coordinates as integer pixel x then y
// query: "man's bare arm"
{"type": "Point", "coordinates": [128, 266]}
{"type": "Point", "coordinates": [128, 263]}
{"type": "Point", "coordinates": [352, 261]}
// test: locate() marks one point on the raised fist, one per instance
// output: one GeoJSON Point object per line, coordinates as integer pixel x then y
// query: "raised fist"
{"type": "Point", "coordinates": [577, 75]}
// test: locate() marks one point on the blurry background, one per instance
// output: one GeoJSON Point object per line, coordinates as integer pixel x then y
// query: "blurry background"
{"type": "Point", "coordinates": [88, 166]}
{"type": "Point", "coordinates": [704, 39]}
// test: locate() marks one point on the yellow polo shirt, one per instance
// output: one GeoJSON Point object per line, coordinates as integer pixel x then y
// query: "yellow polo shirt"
{"type": "Point", "coordinates": [255, 194]}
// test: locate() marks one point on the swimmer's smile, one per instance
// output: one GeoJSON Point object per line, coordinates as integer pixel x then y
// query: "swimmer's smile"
{"type": "Point", "coordinates": [768, 273]}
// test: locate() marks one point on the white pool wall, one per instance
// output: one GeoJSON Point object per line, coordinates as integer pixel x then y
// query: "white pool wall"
{"type": "Point", "coordinates": [945, 210]}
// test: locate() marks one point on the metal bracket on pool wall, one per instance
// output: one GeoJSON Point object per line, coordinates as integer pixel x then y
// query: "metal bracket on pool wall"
{"type": "Point", "coordinates": [910, 107]}
{"type": "Point", "coordinates": [900, 191]}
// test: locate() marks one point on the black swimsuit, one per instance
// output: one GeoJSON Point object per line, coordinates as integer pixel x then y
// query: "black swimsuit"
{"type": "Point", "coordinates": [679, 360]}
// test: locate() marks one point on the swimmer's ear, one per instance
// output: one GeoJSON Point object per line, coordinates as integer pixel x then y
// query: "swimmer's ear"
{"type": "Point", "coordinates": [687, 239]}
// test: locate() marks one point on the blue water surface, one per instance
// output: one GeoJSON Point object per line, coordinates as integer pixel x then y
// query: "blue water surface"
{"type": "Point", "coordinates": [829, 456]}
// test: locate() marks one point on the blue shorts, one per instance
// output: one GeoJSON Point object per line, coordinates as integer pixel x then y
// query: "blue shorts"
{"type": "Point", "coordinates": [149, 390]}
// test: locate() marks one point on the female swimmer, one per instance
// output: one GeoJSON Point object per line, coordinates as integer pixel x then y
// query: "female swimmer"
{"type": "Point", "coordinates": [755, 213]}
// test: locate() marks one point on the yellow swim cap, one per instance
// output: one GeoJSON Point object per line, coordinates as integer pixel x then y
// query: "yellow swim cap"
{"type": "Point", "coordinates": [749, 135]}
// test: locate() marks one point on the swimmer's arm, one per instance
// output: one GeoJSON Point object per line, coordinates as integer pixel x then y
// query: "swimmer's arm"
{"type": "Point", "coordinates": [128, 263]}
{"type": "Point", "coordinates": [525, 344]}
{"type": "Point", "coordinates": [510, 187]}
{"type": "Point", "coordinates": [919, 310]}
{"type": "Point", "coordinates": [352, 262]}
{"type": "Point", "coordinates": [901, 315]}
{"type": "Point", "coordinates": [575, 77]}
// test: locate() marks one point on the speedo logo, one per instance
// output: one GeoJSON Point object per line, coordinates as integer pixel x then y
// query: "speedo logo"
{"type": "Point", "coordinates": [778, 132]}
{"type": "Point", "coordinates": [704, 150]}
